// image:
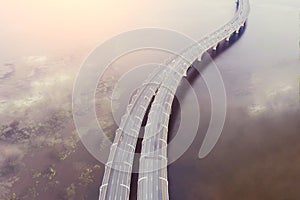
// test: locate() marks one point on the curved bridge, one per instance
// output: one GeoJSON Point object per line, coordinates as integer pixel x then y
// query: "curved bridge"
{"type": "Point", "coordinates": [160, 85]}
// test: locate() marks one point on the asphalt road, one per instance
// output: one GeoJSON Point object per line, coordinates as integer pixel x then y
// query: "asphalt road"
{"type": "Point", "coordinates": [162, 84]}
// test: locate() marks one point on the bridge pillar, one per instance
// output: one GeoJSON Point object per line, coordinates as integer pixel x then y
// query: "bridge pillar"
{"type": "Point", "coordinates": [237, 31]}
{"type": "Point", "coordinates": [215, 47]}
{"type": "Point", "coordinates": [227, 39]}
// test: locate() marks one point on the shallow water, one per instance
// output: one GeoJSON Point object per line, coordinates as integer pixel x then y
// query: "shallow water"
{"type": "Point", "coordinates": [257, 154]}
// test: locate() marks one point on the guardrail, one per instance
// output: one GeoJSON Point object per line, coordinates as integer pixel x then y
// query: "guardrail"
{"type": "Point", "coordinates": [152, 182]}
{"type": "Point", "coordinates": [165, 82]}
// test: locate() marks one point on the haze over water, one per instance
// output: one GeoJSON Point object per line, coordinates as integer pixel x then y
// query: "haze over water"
{"type": "Point", "coordinates": [257, 154]}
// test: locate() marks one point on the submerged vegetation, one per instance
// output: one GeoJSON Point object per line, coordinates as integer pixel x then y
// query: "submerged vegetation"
{"type": "Point", "coordinates": [41, 154]}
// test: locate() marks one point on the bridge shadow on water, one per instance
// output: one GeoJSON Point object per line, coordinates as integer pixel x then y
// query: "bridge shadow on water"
{"type": "Point", "coordinates": [194, 73]}
{"type": "Point", "coordinates": [199, 66]}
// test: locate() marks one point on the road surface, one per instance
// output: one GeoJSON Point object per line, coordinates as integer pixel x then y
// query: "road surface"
{"type": "Point", "coordinates": [162, 84]}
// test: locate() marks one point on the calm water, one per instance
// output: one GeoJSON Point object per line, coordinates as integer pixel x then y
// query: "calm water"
{"type": "Point", "coordinates": [257, 154]}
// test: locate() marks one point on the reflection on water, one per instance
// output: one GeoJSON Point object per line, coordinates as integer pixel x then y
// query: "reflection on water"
{"type": "Point", "coordinates": [256, 156]}
{"type": "Point", "coordinates": [41, 156]}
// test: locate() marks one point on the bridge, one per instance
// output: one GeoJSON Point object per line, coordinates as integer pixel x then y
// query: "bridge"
{"type": "Point", "coordinates": [161, 86]}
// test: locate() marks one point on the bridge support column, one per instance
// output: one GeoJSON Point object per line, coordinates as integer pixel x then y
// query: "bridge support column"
{"type": "Point", "coordinates": [227, 39]}
{"type": "Point", "coordinates": [237, 31]}
{"type": "Point", "coordinates": [215, 47]}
